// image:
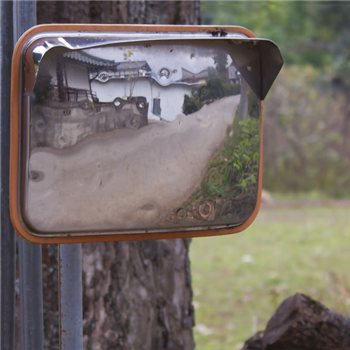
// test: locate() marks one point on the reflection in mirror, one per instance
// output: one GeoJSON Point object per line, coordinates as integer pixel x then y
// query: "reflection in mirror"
{"type": "Point", "coordinates": [141, 136]}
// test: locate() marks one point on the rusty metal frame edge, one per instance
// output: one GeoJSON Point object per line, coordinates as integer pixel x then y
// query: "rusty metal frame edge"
{"type": "Point", "coordinates": [14, 150]}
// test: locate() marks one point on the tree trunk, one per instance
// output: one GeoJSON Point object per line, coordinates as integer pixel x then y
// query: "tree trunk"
{"type": "Point", "coordinates": [137, 295]}
{"type": "Point", "coordinates": [132, 12]}
{"type": "Point", "coordinates": [301, 323]}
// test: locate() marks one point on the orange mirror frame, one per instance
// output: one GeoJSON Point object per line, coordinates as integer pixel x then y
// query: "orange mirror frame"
{"type": "Point", "coordinates": [137, 132]}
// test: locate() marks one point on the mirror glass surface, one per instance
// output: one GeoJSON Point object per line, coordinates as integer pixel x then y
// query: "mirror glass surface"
{"type": "Point", "coordinates": [141, 137]}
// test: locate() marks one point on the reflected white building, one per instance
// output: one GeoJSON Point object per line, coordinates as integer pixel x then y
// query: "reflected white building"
{"type": "Point", "coordinates": [107, 80]}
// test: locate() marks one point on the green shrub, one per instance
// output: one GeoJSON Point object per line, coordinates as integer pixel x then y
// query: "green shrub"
{"type": "Point", "coordinates": [191, 105]}
{"type": "Point", "coordinates": [306, 146]}
{"type": "Point", "coordinates": [205, 94]}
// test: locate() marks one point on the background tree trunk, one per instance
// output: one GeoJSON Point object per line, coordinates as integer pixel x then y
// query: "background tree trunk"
{"type": "Point", "coordinates": [141, 12]}
{"type": "Point", "coordinates": [137, 295]}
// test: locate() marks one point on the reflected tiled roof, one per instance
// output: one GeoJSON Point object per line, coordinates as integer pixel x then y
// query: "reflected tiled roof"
{"type": "Point", "coordinates": [90, 60]}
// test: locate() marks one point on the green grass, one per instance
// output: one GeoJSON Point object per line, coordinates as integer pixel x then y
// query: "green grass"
{"type": "Point", "coordinates": [239, 280]}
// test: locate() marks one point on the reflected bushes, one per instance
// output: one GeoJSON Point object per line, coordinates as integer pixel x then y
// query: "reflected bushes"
{"type": "Point", "coordinates": [229, 188]}
{"type": "Point", "coordinates": [213, 90]}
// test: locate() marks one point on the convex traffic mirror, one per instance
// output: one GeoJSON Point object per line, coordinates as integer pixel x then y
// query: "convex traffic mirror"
{"type": "Point", "coordinates": [137, 132]}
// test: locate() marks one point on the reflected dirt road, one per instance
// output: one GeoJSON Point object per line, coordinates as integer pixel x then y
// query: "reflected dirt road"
{"type": "Point", "coordinates": [133, 178]}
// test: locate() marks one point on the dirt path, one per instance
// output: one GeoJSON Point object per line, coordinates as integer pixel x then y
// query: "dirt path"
{"type": "Point", "coordinates": [125, 177]}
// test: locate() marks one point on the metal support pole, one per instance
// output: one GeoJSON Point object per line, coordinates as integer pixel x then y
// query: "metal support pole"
{"type": "Point", "coordinates": [7, 236]}
{"type": "Point", "coordinates": [24, 17]}
{"type": "Point", "coordinates": [71, 296]}
{"type": "Point", "coordinates": [31, 296]}
{"type": "Point", "coordinates": [29, 255]}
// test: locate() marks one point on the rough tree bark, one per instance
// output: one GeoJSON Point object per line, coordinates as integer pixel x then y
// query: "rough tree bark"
{"type": "Point", "coordinates": [132, 12]}
{"type": "Point", "coordinates": [136, 295]}
{"type": "Point", "coordinates": [301, 323]}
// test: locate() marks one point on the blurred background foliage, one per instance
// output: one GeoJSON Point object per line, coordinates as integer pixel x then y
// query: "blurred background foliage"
{"type": "Point", "coordinates": [307, 112]}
